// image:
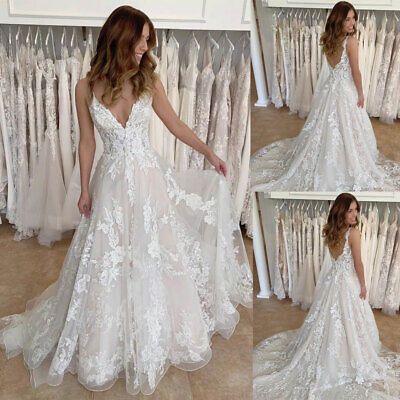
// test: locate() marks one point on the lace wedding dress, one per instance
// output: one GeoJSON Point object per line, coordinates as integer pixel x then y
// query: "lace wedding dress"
{"type": "Point", "coordinates": [336, 354]}
{"type": "Point", "coordinates": [336, 149]}
{"type": "Point", "coordinates": [157, 269]}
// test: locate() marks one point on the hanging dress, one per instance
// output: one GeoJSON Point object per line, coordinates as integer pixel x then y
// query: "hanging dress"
{"type": "Point", "coordinates": [240, 111]}
{"type": "Point", "coordinates": [22, 179]}
{"type": "Point", "coordinates": [47, 192]}
{"type": "Point", "coordinates": [64, 116]}
{"type": "Point", "coordinates": [276, 96]}
{"type": "Point", "coordinates": [383, 74]}
{"type": "Point", "coordinates": [220, 119]}
{"type": "Point", "coordinates": [205, 82]}
{"type": "Point", "coordinates": [313, 57]}
{"type": "Point", "coordinates": [391, 97]}
{"type": "Point", "coordinates": [380, 44]}
{"type": "Point", "coordinates": [187, 94]}
{"type": "Point", "coordinates": [74, 68]}
{"type": "Point", "coordinates": [30, 99]}
{"type": "Point", "coordinates": [39, 105]}
{"type": "Point", "coordinates": [6, 134]}
{"type": "Point", "coordinates": [391, 302]}
{"type": "Point", "coordinates": [173, 95]}
{"type": "Point", "coordinates": [385, 267]}
{"type": "Point", "coordinates": [380, 253]}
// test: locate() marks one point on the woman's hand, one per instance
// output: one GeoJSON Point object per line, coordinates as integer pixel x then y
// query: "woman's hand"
{"type": "Point", "coordinates": [363, 292]}
{"type": "Point", "coordinates": [218, 164]}
{"type": "Point", "coordinates": [85, 204]}
{"type": "Point", "coordinates": [360, 102]}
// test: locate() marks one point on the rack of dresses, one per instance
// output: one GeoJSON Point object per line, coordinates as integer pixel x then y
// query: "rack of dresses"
{"type": "Point", "coordinates": [292, 228]}
{"type": "Point", "coordinates": [297, 60]}
{"type": "Point", "coordinates": [206, 80]}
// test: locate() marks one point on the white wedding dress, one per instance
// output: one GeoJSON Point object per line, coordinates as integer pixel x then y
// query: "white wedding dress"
{"type": "Point", "coordinates": [336, 149]}
{"type": "Point", "coordinates": [336, 354]}
{"type": "Point", "coordinates": [156, 270]}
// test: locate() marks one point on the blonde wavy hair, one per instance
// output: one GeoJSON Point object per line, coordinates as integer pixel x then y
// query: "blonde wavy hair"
{"type": "Point", "coordinates": [336, 224]}
{"type": "Point", "coordinates": [333, 35]}
{"type": "Point", "coordinates": [115, 61]}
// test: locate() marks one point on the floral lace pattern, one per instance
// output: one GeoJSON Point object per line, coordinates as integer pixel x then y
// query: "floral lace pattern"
{"type": "Point", "coordinates": [156, 270]}
{"type": "Point", "coordinates": [336, 354]}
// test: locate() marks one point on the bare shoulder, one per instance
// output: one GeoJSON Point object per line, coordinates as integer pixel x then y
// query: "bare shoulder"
{"type": "Point", "coordinates": [352, 43]}
{"type": "Point", "coordinates": [354, 235]}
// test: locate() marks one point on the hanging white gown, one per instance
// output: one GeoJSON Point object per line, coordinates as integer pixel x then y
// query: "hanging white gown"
{"type": "Point", "coordinates": [205, 82]}
{"type": "Point", "coordinates": [187, 94]}
{"type": "Point", "coordinates": [44, 204]}
{"type": "Point", "coordinates": [277, 280]}
{"type": "Point", "coordinates": [389, 107]}
{"type": "Point", "coordinates": [39, 105]}
{"type": "Point", "coordinates": [380, 44]}
{"type": "Point", "coordinates": [313, 57]}
{"type": "Point", "coordinates": [22, 179]}
{"type": "Point", "coordinates": [74, 67]}
{"type": "Point", "coordinates": [370, 53]}
{"type": "Point", "coordinates": [173, 95]}
{"type": "Point", "coordinates": [64, 116]}
{"type": "Point", "coordinates": [7, 133]}
{"type": "Point", "coordinates": [240, 111]}
{"type": "Point", "coordinates": [380, 252]}
{"type": "Point", "coordinates": [336, 354]}
{"type": "Point", "coordinates": [378, 300]}
{"type": "Point", "coordinates": [391, 301]}
{"type": "Point", "coordinates": [383, 74]}
{"type": "Point", "coordinates": [304, 89]}
{"type": "Point", "coordinates": [30, 100]}
{"type": "Point", "coordinates": [220, 118]}
{"type": "Point", "coordinates": [150, 276]}
{"type": "Point", "coordinates": [276, 96]}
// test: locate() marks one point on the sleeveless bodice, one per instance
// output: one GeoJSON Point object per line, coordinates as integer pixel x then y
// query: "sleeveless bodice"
{"type": "Point", "coordinates": [118, 140]}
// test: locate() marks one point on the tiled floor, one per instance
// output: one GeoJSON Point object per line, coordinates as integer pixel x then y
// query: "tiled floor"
{"type": "Point", "coordinates": [26, 269]}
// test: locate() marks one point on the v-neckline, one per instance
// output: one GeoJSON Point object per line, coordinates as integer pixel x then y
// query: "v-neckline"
{"type": "Point", "coordinates": [113, 116]}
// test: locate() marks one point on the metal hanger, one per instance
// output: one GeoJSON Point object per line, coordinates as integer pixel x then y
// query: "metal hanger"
{"type": "Point", "coordinates": [38, 39]}
{"type": "Point", "coordinates": [50, 33]}
{"type": "Point", "coordinates": [172, 37]}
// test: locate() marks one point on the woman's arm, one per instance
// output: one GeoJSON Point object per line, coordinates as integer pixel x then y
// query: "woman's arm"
{"type": "Point", "coordinates": [166, 113]}
{"type": "Point", "coordinates": [352, 49]}
{"type": "Point", "coordinates": [355, 245]}
{"type": "Point", "coordinates": [87, 144]}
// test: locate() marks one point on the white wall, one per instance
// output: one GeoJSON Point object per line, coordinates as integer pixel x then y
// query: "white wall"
{"type": "Point", "coordinates": [177, 14]}
{"type": "Point", "coordinates": [358, 4]}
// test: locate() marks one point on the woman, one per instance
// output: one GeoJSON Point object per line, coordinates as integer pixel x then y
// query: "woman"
{"type": "Point", "coordinates": [336, 354]}
{"type": "Point", "coordinates": [336, 149]}
{"type": "Point", "coordinates": [157, 264]}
